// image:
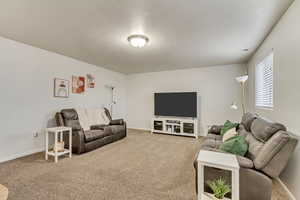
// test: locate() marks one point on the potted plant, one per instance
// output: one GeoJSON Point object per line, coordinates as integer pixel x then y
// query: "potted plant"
{"type": "Point", "coordinates": [219, 187]}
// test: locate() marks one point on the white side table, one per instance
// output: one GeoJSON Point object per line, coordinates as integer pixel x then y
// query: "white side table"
{"type": "Point", "coordinates": [58, 134]}
{"type": "Point", "coordinates": [222, 161]}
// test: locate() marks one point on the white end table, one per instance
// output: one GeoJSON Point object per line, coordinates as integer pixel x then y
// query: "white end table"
{"type": "Point", "coordinates": [58, 134]}
{"type": "Point", "coordinates": [221, 161]}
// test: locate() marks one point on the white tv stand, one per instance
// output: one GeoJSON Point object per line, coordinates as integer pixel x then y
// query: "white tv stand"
{"type": "Point", "coordinates": [175, 126]}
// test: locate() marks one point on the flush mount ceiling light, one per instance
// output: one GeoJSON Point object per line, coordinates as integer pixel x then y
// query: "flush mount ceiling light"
{"type": "Point", "coordinates": [138, 41]}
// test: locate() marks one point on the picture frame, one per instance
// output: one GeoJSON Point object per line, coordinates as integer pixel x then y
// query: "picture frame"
{"type": "Point", "coordinates": [61, 88]}
{"type": "Point", "coordinates": [78, 84]}
{"type": "Point", "coordinates": [90, 81]}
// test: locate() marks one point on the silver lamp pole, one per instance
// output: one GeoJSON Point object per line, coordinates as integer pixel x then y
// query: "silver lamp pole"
{"type": "Point", "coordinates": [112, 98]}
{"type": "Point", "coordinates": [242, 80]}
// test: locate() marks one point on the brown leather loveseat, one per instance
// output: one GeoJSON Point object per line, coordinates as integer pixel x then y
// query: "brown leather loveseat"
{"type": "Point", "coordinates": [98, 135]}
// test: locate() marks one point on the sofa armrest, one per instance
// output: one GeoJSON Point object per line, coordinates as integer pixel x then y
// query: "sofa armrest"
{"type": "Point", "coordinates": [116, 122]}
{"type": "Point", "coordinates": [254, 185]}
{"type": "Point", "coordinates": [116, 128]}
{"type": "Point", "coordinates": [215, 129]}
{"type": "Point", "coordinates": [78, 143]}
{"type": "Point", "coordinates": [245, 162]}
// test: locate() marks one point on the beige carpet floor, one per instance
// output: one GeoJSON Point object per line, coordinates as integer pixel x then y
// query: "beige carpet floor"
{"type": "Point", "coordinates": [139, 167]}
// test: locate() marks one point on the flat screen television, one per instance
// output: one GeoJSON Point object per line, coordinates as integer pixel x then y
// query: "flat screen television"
{"type": "Point", "coordinates": [183, 104]}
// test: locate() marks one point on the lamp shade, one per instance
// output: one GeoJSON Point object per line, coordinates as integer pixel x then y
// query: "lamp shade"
{"type": "Point", "coordinates": [242, 79]}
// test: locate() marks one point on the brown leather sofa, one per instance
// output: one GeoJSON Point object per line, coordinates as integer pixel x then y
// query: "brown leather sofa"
{"type": "Point", "coordinates": [270, 147]}
{"type": "Point", "coordinates": [98, 135]}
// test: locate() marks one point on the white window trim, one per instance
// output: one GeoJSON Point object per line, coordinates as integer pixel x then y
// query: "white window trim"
{"type": "Point", "coordinates": [255, 84]}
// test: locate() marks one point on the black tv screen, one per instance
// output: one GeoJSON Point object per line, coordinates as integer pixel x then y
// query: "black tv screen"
{"type": "Point", "coordinates": [182, 104]}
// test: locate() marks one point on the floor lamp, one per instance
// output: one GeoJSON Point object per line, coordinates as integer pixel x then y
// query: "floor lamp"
{"type": "Point", "coordinates": [113, 102]}
{"type": "Point", "coordinates": [242, 80]}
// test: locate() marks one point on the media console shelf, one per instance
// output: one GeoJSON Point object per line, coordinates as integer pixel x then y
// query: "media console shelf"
{"type": "Point", "coordinates": [175, 126]}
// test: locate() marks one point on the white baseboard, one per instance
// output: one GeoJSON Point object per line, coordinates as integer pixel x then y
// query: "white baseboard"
{"type": "Point", "coordinates": [26, 153]}
{"type": "Point", "coordinates": [286, 189]}
{"type": "Point", "coordinates": [142, 129]}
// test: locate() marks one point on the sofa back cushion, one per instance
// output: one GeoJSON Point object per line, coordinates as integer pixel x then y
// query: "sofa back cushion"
{"type": "Point", "coordinates": [247, 120]}
{"type": "Point", "coordinates": [74, 124]}
{"type": "Point", "coordinates": [70, 118]}
{"type": "Point", "coordinates": [263, 129]}
{"type": "Point", "coordinates": [286, 144]}
{"type": "Point", "coordinates": [270, 148]}
{"type": "Point", "coordinates": [69, 114]}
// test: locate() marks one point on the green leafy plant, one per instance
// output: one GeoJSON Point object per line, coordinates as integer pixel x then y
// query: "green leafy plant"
{"type": "Point", "coordinates": [219, 187]}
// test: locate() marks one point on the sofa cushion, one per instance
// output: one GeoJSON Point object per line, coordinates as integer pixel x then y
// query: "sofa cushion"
{"type": "Point", "coordinates": [247, 120]}
{"type": "Point", "coordinates": [254, 146]}
{"type": "Point", "coordinates": [211, 143]}
{"type": "Point", "coordinates": [263, 129]}
{"type": "Point", "coordinates": [92, 135]}
{"type": "Point", "coordinates": [214, 136]}
{"type": "Point", "coordinates": [116, 128]}
{"type": "Point", "coordinates": [207, 148]}
{"type": "Point", "coordinates": [215, 129]}
{"type": "Point", "coordinates": [270, 149]}
{"type": "Point", "coordinates": [98, 127]}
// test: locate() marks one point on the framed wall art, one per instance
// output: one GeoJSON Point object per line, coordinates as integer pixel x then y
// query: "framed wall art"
{"type": "Point", "coordinates": [61, 88]}
{"type": "Point", "coordinates": [90, 81]}
{"type": "Point", "coordinates": [78, 84]}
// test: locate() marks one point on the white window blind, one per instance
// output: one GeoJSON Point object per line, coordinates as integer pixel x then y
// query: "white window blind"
{"type": "Point", "coordinates": [264, 83]}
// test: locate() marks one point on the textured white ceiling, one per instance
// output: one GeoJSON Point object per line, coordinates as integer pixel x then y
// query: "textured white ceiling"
{"type": "Point", "coordinates": [183, 33]}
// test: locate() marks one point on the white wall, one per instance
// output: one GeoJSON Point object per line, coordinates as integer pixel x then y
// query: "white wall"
{"type": "Point", "coordinates": [216, 87]}
{"type": "Point", "coordinates": [27, 103]}
{"type": "Point", "coordinates": [285, 40]}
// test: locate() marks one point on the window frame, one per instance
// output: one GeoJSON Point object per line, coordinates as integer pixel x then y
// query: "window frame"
{"type": "Point", "coordinates": [262, 61]}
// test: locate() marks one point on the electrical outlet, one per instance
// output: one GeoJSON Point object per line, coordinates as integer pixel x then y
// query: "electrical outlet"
{"type": "Point", "coordinates": [35, 134]}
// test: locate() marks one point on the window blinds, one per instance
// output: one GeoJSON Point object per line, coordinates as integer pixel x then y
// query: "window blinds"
{"type": "Point", "coordinates": [264, 83]}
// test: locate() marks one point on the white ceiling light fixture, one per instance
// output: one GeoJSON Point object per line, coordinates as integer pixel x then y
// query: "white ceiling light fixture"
{"type": "Point", "coordinates": [137, 40]}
